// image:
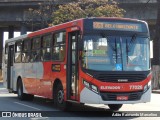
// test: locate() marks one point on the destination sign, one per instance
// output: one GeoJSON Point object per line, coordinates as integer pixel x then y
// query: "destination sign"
{"type": "Point", "coordinates": [117, 26]}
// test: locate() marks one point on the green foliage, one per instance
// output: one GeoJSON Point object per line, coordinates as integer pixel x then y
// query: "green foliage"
{"type": "Point", "coordinates": [67, 13]}
{"type": "Point", "coordinates": [41, 16]}
{"type": "Point", "coordinates": [86, 8]}
{"type": "Point", "coordinates": [51, 13]}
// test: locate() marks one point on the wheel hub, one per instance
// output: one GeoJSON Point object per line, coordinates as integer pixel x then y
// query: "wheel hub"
{"type": "Point", "coordinates": [19, 91]}
{"type": "Point", "coordinates": [60, 96]}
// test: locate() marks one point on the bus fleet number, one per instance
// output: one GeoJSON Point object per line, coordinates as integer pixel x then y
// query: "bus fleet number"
{"type": "Point", "coordinates": [136, 87]}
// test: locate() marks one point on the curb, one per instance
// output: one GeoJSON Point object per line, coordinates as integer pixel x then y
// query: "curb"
{"type": "Point", "coordinates": [156, 91]}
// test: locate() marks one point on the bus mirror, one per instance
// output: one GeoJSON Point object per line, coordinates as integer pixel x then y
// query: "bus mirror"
{"type": "Point", "coordinates": [151, 49]}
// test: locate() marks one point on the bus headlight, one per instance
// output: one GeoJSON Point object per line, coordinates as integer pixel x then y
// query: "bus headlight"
{"type": "Point", "coordinates": [94, 88]}
{"type": "Point", "coordinates": [147, 86]}
{"type": "Point", "coordinates": [90, 86]}
{"type": "Point", "coordinates": [86, 84]}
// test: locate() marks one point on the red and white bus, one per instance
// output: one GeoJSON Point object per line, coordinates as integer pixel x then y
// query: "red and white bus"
{"type": "Point", "coordinates": [92, 60]}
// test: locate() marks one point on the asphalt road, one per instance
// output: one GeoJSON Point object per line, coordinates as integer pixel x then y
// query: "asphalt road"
{"type": "Point", "coordinates": [10, 103]}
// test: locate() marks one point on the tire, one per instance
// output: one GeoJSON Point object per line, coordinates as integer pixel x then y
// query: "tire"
{"type": "Point", "coordinates": [21, 95]}
{"type": "Point", "coordinates": [115, 107]}
{"type": "Point", "coordinates": [59, 99]}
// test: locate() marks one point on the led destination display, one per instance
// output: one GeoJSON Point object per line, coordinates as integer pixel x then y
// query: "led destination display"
{"type": "Point", "coordinates": [117, 26]}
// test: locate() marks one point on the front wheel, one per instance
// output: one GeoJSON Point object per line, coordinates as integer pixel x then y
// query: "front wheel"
{"type": "Point", "coordinates": [115, 107]}
{"type": "Point", "coordinates": [59, 99]}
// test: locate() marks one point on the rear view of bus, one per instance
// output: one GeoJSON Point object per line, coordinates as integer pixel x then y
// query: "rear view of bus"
{"type": "Point", "coordinates": [115, 62]}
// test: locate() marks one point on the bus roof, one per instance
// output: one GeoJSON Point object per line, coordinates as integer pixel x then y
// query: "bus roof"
{"type": "Point", "coordinates": [70, 24]}
{"type": "Point", "coordinates": [16, 38]}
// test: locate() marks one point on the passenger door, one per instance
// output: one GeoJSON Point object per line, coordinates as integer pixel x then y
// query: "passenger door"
{"type": "Point", "coordinates": [72, 66]}
{"type": "Point", "coordinates": [10, 67]}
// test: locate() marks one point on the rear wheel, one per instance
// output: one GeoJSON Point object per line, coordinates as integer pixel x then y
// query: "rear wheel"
{"type": "Point", "coordinates": [59, 99]}
{"type": "Point", "coordinates": [115, 107]}
{"type": "Point", "coordinates": [21, 95]}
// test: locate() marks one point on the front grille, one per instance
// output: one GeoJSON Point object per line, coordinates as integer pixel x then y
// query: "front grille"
{"type": "Point", "coordinates": [113, 96]}
{"type": "Point", "coordinates": [117, 77]}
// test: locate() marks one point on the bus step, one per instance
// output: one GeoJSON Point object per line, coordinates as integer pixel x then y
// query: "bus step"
{"type": "Point", "coordinates": [73, 97]}
{"type": "Point", "coordinates": [73, 101]}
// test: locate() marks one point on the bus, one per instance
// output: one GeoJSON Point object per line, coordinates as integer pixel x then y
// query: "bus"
{"type": "Point", "coordinates": [88, 61]}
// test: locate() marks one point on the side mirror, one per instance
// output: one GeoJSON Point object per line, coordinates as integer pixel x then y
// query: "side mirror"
{"type": "Point", "coordinates": [151, 49]}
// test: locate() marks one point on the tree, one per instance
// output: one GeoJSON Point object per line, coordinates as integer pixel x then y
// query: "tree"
{"type": "Point", "coordinates": [52, 13]}
{"type": "Point", "coordinates": [86, 8]}
{"type": "Point", "coordinates": [42, 15]}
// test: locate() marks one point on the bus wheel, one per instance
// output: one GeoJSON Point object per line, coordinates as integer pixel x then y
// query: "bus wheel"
{"type": "Point", "coordinates": [59, 98]}
{"type": "Point", "coordinates": [20, 93]}
{"type": "Point", "coordinates": [115, 107]}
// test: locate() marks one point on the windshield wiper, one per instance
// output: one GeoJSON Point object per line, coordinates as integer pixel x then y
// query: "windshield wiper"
{"type": "Point", "coordinates": [131, 42]}
{"type": "Point", "coordinates": [127, 50]}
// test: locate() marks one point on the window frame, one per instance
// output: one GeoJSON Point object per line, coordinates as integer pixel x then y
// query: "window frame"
{"type": "Point", "coordinates": [36, 49]}
{"type": "Point", "coordinates": [6, 53]}
{"type": "Point", "coordinates": [46, 47]}
{"type": "Point", "coordinates": [59, 45]}
{"type": "Point", "coordinates": [28, 50]}
{"type": "Point", "coordinates": [20, 52]}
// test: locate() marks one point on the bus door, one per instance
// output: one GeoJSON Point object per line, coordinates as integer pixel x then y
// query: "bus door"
{"type": "Point", "coordinates": [72, 66]}
{"type": "Point", "coordinates": [10, 67]}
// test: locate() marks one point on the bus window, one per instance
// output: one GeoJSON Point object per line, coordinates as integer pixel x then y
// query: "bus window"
{"type": "Point", "coordinates": [35, 56]}
{"type": "Point", "coordinates": [59, 46]}
{"type": "Point", "coordinates": [26, 51]}
{"type": "Point", "coordinates": [36, 52]}
{"type": "Point", "coordinates": [46, 51]}
{"type": "Point", "coordinates": [18, 49]}
{"type": "Point", "coordinates": [36, 43]}
{"type": "Point", "coordinates": [6, 53]}
{"type": "Point", "coordinates": [26, 57]}
{"type": "Point", "coordinates": [27, 45]}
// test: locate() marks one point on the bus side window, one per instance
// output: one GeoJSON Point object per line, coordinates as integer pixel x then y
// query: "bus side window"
{"type": "Point", "coordinates": [36, 52]}
{"type": "Point", "coordinates": [25, 57]}
{"type": "Point", "coordinates": [26, 51]}
{"type": "Point", "coordinates": [6, 54]}
{"type": "Point", "coordinates": [46, 51]}
{"type": "Point", "coordinates": [59, 47]}
{"type": "Point", "coordinates": [18, 50]}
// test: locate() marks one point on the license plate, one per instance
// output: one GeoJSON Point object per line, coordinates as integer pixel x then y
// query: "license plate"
{"type": "Point", "coordinates": [122, 97]}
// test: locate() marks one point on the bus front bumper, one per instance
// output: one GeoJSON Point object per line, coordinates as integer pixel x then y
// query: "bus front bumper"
{"type": "Point", "coordinates": [90, 97]}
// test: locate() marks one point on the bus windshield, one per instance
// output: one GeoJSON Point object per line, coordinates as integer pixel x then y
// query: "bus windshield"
{"type": "Point", "coordinates": [115, 53]}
